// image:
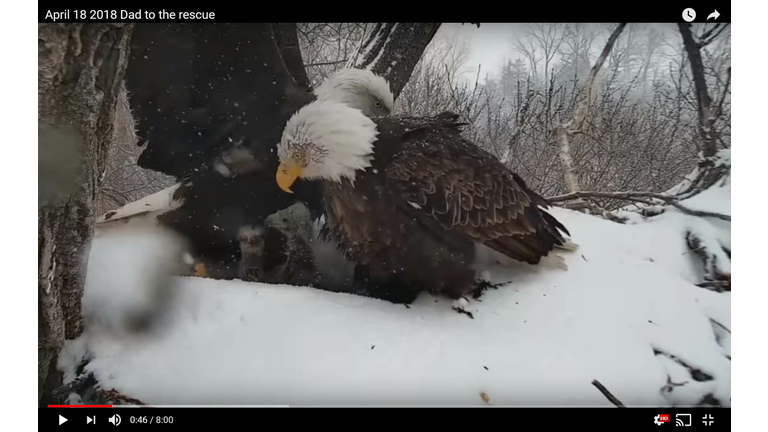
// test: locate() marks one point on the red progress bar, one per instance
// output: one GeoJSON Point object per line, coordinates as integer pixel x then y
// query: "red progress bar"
{"type": "Point", "coordinates": [79, 406]}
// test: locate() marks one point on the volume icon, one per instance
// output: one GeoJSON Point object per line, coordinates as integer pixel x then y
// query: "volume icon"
{"type": "Point", "coordinates": [115, 420]}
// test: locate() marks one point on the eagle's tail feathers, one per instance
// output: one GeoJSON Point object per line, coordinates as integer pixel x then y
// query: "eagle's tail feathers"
{"type": "Point", "coordinates": [568, 245]}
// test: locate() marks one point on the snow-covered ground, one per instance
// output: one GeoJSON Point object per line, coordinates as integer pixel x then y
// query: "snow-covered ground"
{"type": "Point", "coordinates": [621, 313]}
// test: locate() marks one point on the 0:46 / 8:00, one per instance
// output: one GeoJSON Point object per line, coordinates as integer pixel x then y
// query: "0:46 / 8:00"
{"type": "Point", "coordinates": [152, 419]}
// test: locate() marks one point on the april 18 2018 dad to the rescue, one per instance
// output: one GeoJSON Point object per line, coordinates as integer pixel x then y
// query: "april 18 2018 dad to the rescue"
{"type": "Point", "coordinates": [107, 14]}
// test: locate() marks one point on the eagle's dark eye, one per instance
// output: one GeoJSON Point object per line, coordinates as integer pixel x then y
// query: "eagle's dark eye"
{"type": "Point", "coordinates": [377, 104]}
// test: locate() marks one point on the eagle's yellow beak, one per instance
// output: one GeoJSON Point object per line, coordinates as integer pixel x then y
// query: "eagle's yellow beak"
{"type": "Point", "coordinates": [287, 173]}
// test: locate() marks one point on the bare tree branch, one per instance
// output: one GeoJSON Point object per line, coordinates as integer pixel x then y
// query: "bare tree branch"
{"type": "Point", "coordinates": [607, 394]}
{"type": "Point", "coordinates": [335, 62]}
{"type": "Point", "coordinates": [708, 37]}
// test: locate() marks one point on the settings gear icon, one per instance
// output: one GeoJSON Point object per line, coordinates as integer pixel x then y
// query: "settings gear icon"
{"type": "Point", "coordinates": [656, 420]}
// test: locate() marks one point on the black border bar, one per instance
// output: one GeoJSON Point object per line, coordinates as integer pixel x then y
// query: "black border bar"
{"type": "Point", "coordinates": [643, 12]}
{"type": "Point", "coordinates": [257, 418]}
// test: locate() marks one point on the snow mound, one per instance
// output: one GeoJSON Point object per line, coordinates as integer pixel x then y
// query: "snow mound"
{"type": "Point", "coordinates": [716, 199]}
{"type": "Point", "coordinates": [626, 312]}
{"type": "Point", "coordinates": [130, 278]}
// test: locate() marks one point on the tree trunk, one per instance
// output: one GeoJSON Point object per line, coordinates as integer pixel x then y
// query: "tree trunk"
{"type": "Point", "coordinates": [392, 51]}
{"type": "Point", "coordinates": [80, 70]}
{"type": "Point", "coordinates": [288, 43]}
{"type": "Point", "coordinates": [707, 135]}
{"type": "Point", "coordinates": [709, 172]}
{"type": "Point", "coordinates": [566, 161]}
{"type": "Point", "coordinates": [563, 131]}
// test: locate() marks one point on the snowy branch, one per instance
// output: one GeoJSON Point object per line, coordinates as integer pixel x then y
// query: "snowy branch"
{"type": "Point", "coordinates": [717, 263]}
{"type": "Point", "coordinates": [633, 196]}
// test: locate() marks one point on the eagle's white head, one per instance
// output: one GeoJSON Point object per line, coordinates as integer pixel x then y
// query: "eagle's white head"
{"type": "Point", "coordinates": [325, 140]}
{"type": "Point", "coordinates": [358, 88]}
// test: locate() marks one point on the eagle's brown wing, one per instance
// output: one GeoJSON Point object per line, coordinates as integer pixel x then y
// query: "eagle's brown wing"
{"type": "Point", "coordinates": [455, 187]}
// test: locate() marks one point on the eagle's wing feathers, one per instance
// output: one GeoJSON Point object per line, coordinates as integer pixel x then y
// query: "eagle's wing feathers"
{"type": "Point", "coordinates": [452, 185]}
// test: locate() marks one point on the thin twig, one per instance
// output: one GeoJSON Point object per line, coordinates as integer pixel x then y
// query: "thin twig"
{"type": "Point", "coordinates": [632, 196]}
{"type": "Point", "coordinates": [709, 32]}
{"type": "Point", "coordinates": [607, 394]}
{"type": "Point", "coordinates": [722, 96]}
{"type": "Point", "coordinates": [327, 63]}
{"type": "Point", "coordinates": [706, 39]}
{"type": "Point", "coordinates": [698, 213]}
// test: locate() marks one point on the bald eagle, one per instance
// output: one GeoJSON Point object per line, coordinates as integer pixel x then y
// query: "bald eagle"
{"type": "Point", "coordinates": [409, 199]}
{"type": "Point", "coordinates": [360, 89]}
{"type": "Point", "coordinates": [211, 101]}
{"type": "Point", "coordinates": [287, 248]}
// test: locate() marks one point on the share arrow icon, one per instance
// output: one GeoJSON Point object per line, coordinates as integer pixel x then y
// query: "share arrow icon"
{"type": "Point", "coordinates": [715, 14]}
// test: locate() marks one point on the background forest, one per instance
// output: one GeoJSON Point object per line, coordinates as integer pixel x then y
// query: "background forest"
{"type": "Point", "coordinates": [641, 124]}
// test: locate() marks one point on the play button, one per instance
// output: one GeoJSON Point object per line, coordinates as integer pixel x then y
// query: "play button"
{"type": "Point", "coordinates": [62, 419]}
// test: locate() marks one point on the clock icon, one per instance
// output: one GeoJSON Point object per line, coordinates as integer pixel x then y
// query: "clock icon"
{"type": "Point", "coordinates": [689, 15]}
